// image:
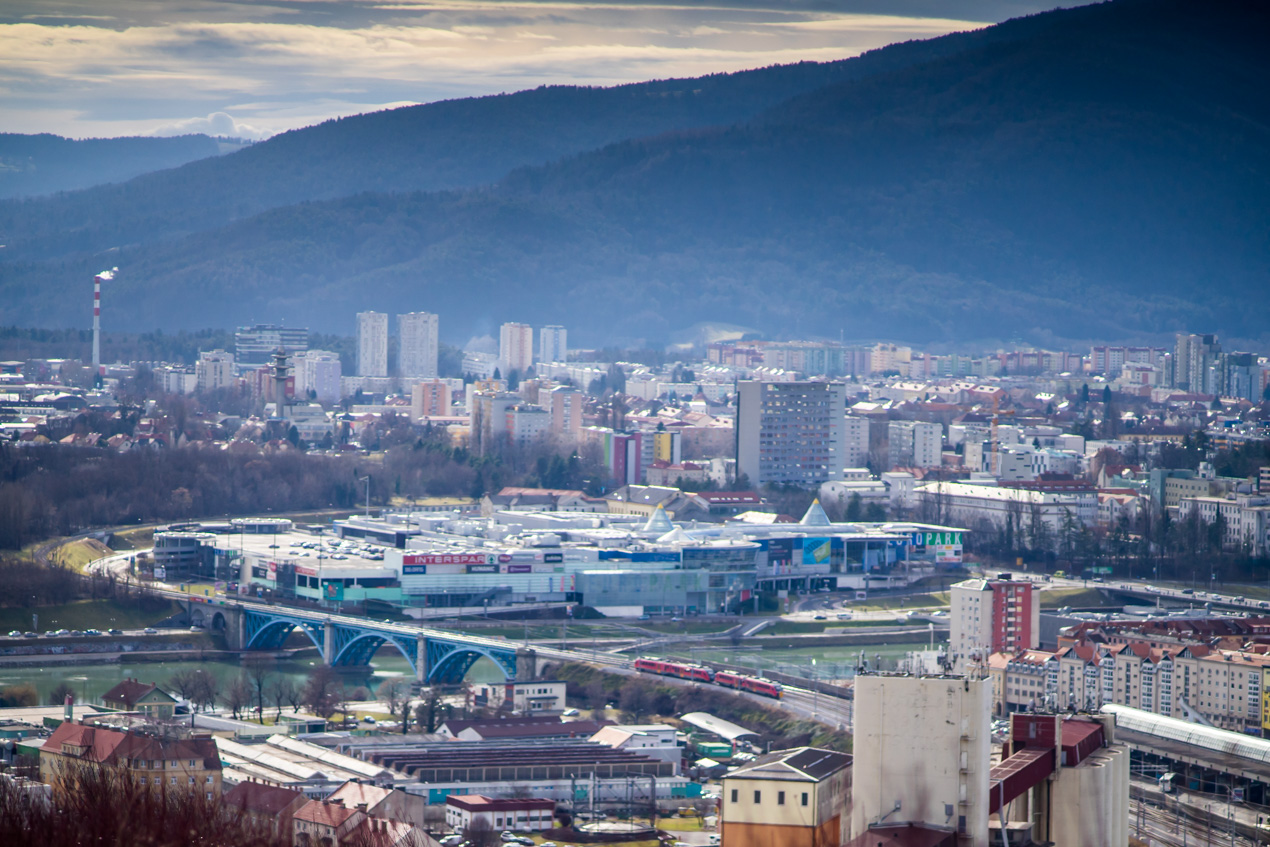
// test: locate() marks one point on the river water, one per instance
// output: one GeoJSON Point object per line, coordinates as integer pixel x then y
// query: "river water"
{"type": "Point", "coordinates": [92, 680]}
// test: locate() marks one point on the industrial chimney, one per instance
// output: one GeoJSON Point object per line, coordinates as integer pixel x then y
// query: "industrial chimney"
{"type": "Point", "coordinates": [104, 276]}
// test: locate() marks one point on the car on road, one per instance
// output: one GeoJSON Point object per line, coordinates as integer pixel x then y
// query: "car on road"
{"type": "Point", "coordinates": [819, 618]}
{"type": "Point", "coordinates": [16, 633]}
{"type": "Point", "coordinates": [114, 632]}
{"type": "Point", "coordinates": [844, 616]}
{"type": "Point", "coordinates": [30, 635]}
{"type": "Point", "coordinates": [92, 632]}
{"type": "Point", "coordinates": [570, 713]}
{"type": "Point", "coordinates": [150, 631]}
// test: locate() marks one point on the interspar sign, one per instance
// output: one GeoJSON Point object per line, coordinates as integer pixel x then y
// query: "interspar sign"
{"type": "Point", "coordinates": [447, 559]}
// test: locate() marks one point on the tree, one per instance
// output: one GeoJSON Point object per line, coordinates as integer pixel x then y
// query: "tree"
{"type": "Point", "coordinates": [322, 691]}
{"type": "Point", "coordinates": [60, 692]}
{"type": "Point", "coordinates": [282, 689]}
{"type": "Point", "coordinates": [480, 833]}
{"type": "Point", "coordinates": [432, 711]}
{"type": "Point", "coordinates": [855, 508]}
{"type": "Point", "coordinates": [259, 672]}
{"type": "Point", "coordinates": [237, 696]}
{"type": "Point", "coordinates": [396, 695]}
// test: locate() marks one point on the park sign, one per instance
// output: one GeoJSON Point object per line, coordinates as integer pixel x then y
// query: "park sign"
{"type": "Point", "coordinates": [935, 539]}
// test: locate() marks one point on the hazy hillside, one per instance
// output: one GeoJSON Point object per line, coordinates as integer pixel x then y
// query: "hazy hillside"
{"type": "Point", "coordinates": [1099, 173]}
{"type": "Point", "coordinates": [452, 144]}
{"type": "Point", "coordinates": [32, 165]}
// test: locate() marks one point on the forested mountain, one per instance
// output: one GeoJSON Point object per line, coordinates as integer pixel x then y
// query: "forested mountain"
{"type": "Point", "coordinates": [1090, 173]}
{"type": "Point", "coordinates": [32, 165]}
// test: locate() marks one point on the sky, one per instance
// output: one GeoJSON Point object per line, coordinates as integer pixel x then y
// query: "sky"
{"type": "Point", "coordinates": [104, 68]}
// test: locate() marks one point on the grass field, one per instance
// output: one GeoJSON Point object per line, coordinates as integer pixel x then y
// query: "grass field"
{"type": "Point", "coordinates": [80, 553]}
{"type": "Point", "coordinates": [800, 628]}
{"type": "Point", "coordinates": [86, 614]}
{"type": "Point", "coordinates": [937, 599]}
{"type": "Point", "coordinates": [1077, 598]}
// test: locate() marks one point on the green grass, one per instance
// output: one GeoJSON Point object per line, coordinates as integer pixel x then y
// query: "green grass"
{"type": "Point", "coordinates": [678, 824]}
{"type": "Point", "coordinates": [80, 553]}
{"type": "Point", "coordinates": [688, 627]}
{"type": "Point", "coordinates": [937, 599]}
{"type": "Point", "coordinates": [1075, 597]}
{"type": "Point", "coordinates": [88, 614]}
{"type": "Point", "coordinates": [800, 628]}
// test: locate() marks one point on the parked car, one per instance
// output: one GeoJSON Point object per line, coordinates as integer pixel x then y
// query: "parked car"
{"type": "Point", "coordinates": [570, 713]}
{"type": "Point", "coordinates": [451, 841]}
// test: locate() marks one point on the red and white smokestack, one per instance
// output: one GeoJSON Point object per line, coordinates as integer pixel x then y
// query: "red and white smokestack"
{"type": "Point", "coordinates": [104, 276]}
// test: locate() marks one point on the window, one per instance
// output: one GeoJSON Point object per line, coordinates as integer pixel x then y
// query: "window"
{"type": "Point", "coordinates": [780, 798]}
{"type": "Point", "coordinates": [734, 793]}
{"type": "Point", "coordinates": [174, 780]}
{"type": "Point", "coordinates": [758, 797]}
{"type": "Point", "coordinates": [143, 780]}
{"type": "Point", "coordinates": [209, 795]}
{"type": "Point", "coordinates": [804, 798]}
{"type": "Point", "coordinates": [209, 779]}
{"type": "Point", "coordinates": [191, 763]}
{"type": "Point", "coordinates": [191, 780]}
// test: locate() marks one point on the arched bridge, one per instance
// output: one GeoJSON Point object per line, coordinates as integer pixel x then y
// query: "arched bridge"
{"type": "Point", "coordinates": [434, 655]}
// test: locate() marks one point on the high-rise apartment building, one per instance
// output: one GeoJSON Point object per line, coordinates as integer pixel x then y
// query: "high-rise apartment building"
{"type": "Point", "coordinates": [791, 432]}
{"type": "Point", "coordinates": [255, 345]}
{"type": "Point", "coordinates": [566, 414]}
{"type": "Point", "coordinates": [855, 448]}
{"type": "Point", "coordinates": [417, 345]}
{"type": "Point", "coordinates": [515, 348]}
{"type": "Point", "coordinates": [372, 344]}
{"type": "Point", "coordinates": [430, 398]}
{"type": "Point", "coordinates": [214, 369]}
{"type": "Point", "coordinates": [553, 344]}
{"type": "Point", "coordinates": [993, 616]}
{"type": "Point", "coordinates": [915, 444]}
{"type": "Point", "coordinates": [1193, 362]}
{"type": "Point", "coordinates": [319, 372]}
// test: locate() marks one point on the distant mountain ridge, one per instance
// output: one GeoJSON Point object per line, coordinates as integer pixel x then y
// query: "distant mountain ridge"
{"type": "Point", "coordinates": [1096, 172]}
{"type": "Point", "coordinates": [36, 165]}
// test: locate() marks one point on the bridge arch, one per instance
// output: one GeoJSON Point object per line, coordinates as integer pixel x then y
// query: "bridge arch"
{"type": "Point", "coordinates": [449, 662]}
{"type": "Point", "coordinates": [273, 634]}
{"type": "Point", "coordinates": [362, 646]}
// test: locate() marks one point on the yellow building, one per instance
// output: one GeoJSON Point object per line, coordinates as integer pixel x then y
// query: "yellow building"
{"type": "Point", "coordinates": [788, 798]}
{"type": "Point", "coordinates": [171, 764]}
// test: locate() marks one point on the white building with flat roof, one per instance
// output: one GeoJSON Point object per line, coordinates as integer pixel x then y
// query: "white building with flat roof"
{"type": "Point", "coordinates": [417, 340]}
{"type": "Point", "coordinates": [372, 344]}
{"type": "Point", "coordinates": [515, 348]}
{"type": "Point", "coordinates": [553, 344]}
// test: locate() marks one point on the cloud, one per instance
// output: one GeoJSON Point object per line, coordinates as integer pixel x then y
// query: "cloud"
{"type": "Point", "coordinates": [216, 124]}
{"type": "Point", "coordinates": [253, 70]}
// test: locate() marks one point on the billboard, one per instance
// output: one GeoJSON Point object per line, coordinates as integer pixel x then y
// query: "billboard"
{"type": "Point", "coordinates": [333, 591]}
{"type": "Point", "coordinates": [816, 551]}
{"type": "Point", "coordinates": [484, 568]}
{"type": "Point", "coordinates": [447, 559]}
{"type": "Point", "coordinates": [520, 568]}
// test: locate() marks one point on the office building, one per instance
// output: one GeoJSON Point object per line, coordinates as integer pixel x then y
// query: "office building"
{"type": "Point", "coordinates": [417, 345]}
{"type": "Point", "coordinates": [791, 432]}
{"type": "Point", "coordinates": [515, 348]}
{"type": "Point", "coordinates": [372, 344]}
{"type": "Point", "coordinates": [255, 345]}
{"type": "Point", "coordinates": [553, 344]}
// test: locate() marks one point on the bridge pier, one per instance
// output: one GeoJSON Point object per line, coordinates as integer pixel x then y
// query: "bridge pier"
{"type": "Point", "coordinates": [421, 659]}
{"type": "Point", "coordinates": [526, 664]}
{"type": "Point", "coordinates": [328, 642]}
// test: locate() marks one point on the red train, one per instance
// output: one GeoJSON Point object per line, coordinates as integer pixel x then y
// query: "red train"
{"type": "Point", "coordinates": [727, 679]}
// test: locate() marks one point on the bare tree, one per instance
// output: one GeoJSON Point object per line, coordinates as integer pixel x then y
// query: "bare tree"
{"type": "Point", "coordinates": [282, 689]}
{"type": "Point", "coordinates": [396, 695]}
{"type": "Point", "coordinates": [259, 673]}
{"type": "Point", "coordinates": [237, 696]}
{"type": "Point", "coordinates": [323, 691]}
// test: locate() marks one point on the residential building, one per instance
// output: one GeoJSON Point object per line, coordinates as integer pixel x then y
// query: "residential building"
{"type": "Point", "coordinates": [317, 375]}
{"type": "Point", "coordinates": [795, 798]}
{"type": "Point", "coordinates": [553, 344]}
{"type": "Point", "coordinates": [567, 405]}
{"type": "Point", "coordinates": [791, 432]}
{"type": "Point", "coordinates": [855, 442]}
{"type": "Point", "coordinates": [915, 444]}
{"type": "Point", "coordinates": [144, 697]}
{"type": "Point", "coordinates": [417, 340]}
{"type": "Point", "coordinates": [522, 814]}
{"type": "Point", "coordinates": [382, 802]}
{"type": "Point", "coordinates": [430, 398]}
{"type": "Point", "coordinates": [991, 616]}
{"type": "Point", "coordinates": [255, 345]}
{"type": "Point", "coordinates": [539, 696]}
{"type": "Point", "coordinates": [1193, 361]}
{"type": "Point", "coordinates": [214, 369]}
{"type": "Point", "coordinates": [1244, 519]}
{"type": "Point", "coordinates": [323, 823]}
{"type": "Point", "coordinates": [372, 344]}
{"type": "Point", "coordinates": [270, 806]}
{"type": "Point", "coordinates": [172, 764]}
{"type": "Point", "coordinates": [515, 348]}
{"type": "Point", "coordinates": [526, 425]}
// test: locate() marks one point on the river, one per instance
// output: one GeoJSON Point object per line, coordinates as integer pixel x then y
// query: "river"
{"type": "Point", "coordinates": [92, 680]}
